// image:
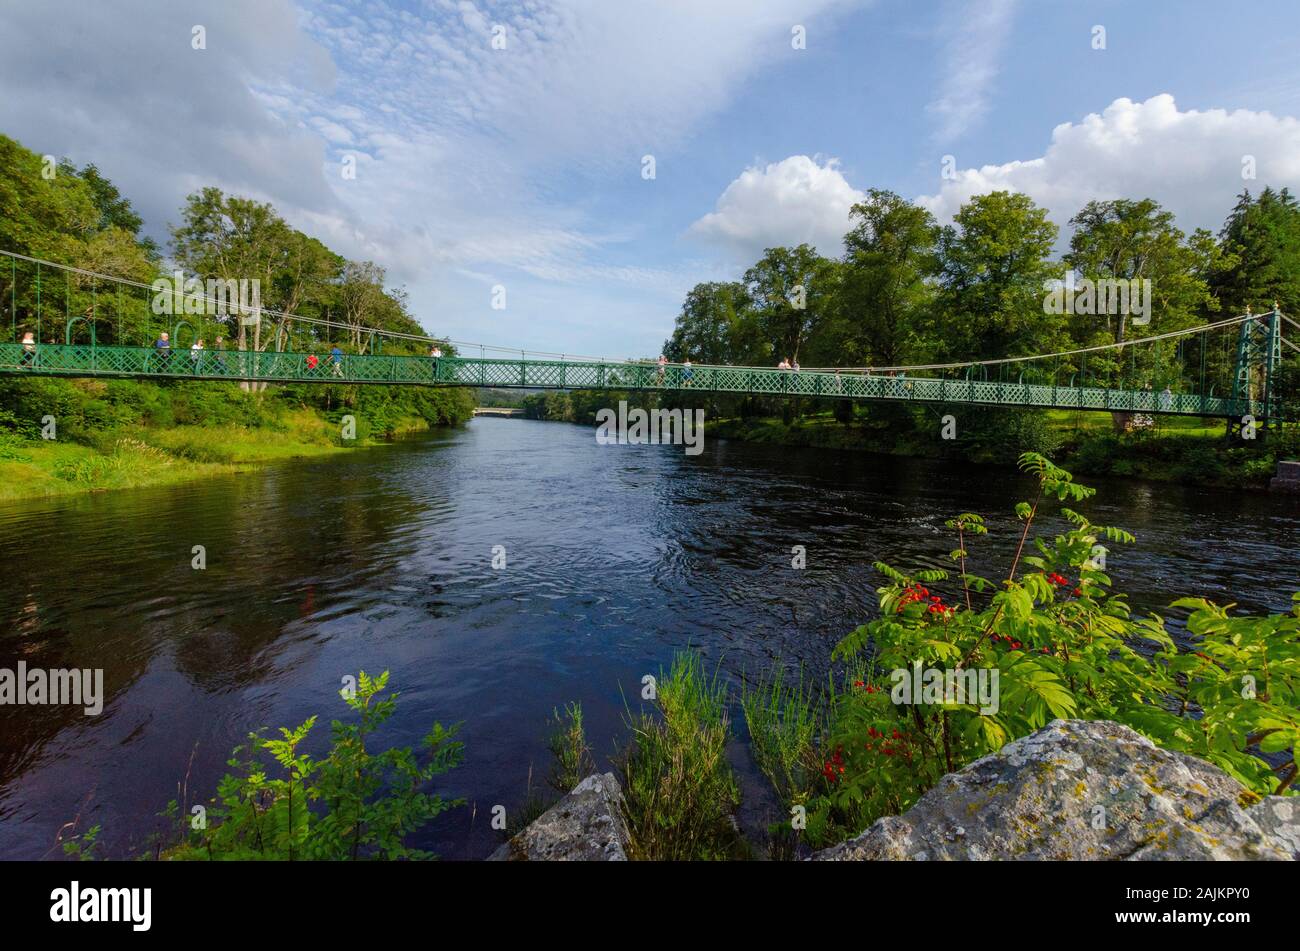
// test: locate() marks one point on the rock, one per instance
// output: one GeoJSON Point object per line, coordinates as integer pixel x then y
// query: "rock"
{"type": "Point", "coordinates": [585, 826]}
{"type": "Point", "coordinates": [1287, 478]}
{"type": "Point", "coordinates": [1085, 790]}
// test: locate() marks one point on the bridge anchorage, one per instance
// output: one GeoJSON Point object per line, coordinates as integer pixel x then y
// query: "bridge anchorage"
{"type": "Point", "coordinates": [110, 329]}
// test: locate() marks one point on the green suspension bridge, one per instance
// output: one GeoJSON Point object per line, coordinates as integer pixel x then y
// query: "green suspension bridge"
{"type": "Point", "coordinates": [1228, 368]}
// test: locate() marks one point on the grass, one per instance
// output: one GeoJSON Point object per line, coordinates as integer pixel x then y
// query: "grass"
{"type": "Point", "coordinates": [568, 746]}
{"type": "Point", "coordinates": [138, 456]}
{"type": "Point", "coordinates": [783, 721]}
{"type": "Point", "coordinates": [679, 792]}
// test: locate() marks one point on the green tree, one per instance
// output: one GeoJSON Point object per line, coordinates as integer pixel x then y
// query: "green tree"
{"type": "Point", "coordinates": [58, 214]}
{"type": "Point", "coordinates": [231, 238]}
{"type": "Point", "coordinates": [1137, 240]}
{"type": "Point", "coordinates": [885, 290]}
{"type": "Point", "coordinates": [115, 210]}
{"type": "Point", "coordinates": [994, 262]}
{"type": "Point", "coordinates": [793, 293]}
{"type": "Point", "coordinates": [716, 326]}
{"type": "Point", "coordinates": [1260, 243]}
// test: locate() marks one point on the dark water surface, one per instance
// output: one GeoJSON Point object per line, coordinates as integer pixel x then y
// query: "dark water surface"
{"type": "Point", "coordinates": [382, 559]}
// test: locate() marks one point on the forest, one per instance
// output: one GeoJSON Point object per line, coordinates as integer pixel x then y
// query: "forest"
{"type": "Point", "coordinates": [994, 283]}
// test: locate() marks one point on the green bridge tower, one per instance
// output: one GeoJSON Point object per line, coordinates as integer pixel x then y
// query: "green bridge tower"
{"type": "Point", "coordinates": [1259, 357]}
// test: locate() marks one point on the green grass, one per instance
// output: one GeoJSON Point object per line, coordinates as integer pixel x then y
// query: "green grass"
{"type": "Point", "coordinates": [783, 720]}
{"type": "Point", "coordinates": [680, 794]}
{"type": "Point", "coordinates": [138, 456]}
{"type": "Point", "coordinates": [568, 746]}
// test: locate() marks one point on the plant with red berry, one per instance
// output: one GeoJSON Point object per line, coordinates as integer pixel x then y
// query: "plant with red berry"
{"type": "Point", "coordinates": [1062, 646]}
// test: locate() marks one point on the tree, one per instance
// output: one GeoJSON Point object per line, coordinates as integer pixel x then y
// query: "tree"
{"type": "Point", "coordinates": [793, 292]}
{"type": "Point", "coordinates": [716, 326]}
{"type": "Point", "coordinates": [1260, 247]}
{"type": "Point", "coordinates": [361, 290]}
{"type": "Point", "coordinates": [306, 272]}
{"type": "Point", "coordinates": [993, 266]}
{"type": "Point", "coordinates": [1127, 240]}
{"type": "Point", "coordinates": [63, 219]}
{"type": "Point", "coordinates": [115, 211]}
{"type": "Point", "coordinates": [885, 290]}
{"type": "Point", "coordinates": [232, 238]}
{"type": "Point", "coordinates": [1137, 241]}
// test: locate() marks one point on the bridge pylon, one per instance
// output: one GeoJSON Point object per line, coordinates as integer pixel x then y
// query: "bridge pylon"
{"type": "Point", "coordinates": [1254, 377]}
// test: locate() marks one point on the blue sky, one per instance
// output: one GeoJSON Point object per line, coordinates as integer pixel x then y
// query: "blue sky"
{"type": "Point", "coordinates": [522, 167]}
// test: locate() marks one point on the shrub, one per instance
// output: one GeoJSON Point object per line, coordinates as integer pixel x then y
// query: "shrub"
{"type": "Point", "coordinates": [351, 804]}
{"type": "Point", "coordinates": [1060, 644]}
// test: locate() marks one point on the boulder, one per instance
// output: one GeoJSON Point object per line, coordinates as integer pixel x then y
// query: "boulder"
{"type": "Point", "coordinates": [585, 826]}
{"type": "Point", "coordinates": [1084, 790]}
{"type": "Point", "coordinates": [1287, 478]}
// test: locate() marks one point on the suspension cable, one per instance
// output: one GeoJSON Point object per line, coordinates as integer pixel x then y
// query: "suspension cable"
{"type": "Point", "coordinates": [424, 338]}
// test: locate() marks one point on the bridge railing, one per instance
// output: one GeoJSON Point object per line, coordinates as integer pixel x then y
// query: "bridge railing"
{"type": "Point", "coordinates": [322, 367]}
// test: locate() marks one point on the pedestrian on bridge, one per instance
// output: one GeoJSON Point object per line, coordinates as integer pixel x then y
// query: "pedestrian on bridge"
{"type": "Point", "coordinates": [336, 358]}
{"type": "Point", "coordinates": [196, 354]}
{"type": "Point", "coordinates": [686, 372]}
{"type": "Point", "coordinates": [312, 361]}
{"type": "Point", "coordinates": [659, 377]}
{"type": "Point", "coordinates": [219, 345]}
{"type": "Point", "coordinates": [29, 349]}
{"type": "Point", "coordinates": [435, 354]}
{"type": "Point", "coordinates": [163, 347]}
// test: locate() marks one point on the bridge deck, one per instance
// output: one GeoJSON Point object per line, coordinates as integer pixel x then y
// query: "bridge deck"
{"type": "Point", "coordinates": [84, 360]}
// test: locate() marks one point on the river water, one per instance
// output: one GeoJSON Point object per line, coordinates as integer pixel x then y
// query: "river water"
{"type": "Point", "coordinates": [382, 559]}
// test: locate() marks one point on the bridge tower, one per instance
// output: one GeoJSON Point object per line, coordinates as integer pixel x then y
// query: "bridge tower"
{"type": "Point", "coordinates": [1259, 357]}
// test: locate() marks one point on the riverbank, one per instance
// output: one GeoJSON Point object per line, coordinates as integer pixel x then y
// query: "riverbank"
{"type": "Point", "coordinates": [1178, 449]}
{"type": "Point", "coordinates": [136, 457]}
{"type": "Point", "coordinates": [1183, 450]}
{"type": "Point", "coordinates": [62, 437]}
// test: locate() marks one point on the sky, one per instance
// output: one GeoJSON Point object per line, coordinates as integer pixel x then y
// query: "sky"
{"type": "Point", "coordinates": [586, 162]}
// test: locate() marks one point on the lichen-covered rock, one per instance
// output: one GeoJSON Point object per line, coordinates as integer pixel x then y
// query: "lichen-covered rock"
{"type": "Point", "coordinates": [585, 826]}
{"type": "Point", "coordinates": [1084, 790]}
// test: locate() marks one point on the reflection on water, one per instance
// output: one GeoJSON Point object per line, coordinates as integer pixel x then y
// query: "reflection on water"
{"type": "Point", "coordinates": [382, 559]}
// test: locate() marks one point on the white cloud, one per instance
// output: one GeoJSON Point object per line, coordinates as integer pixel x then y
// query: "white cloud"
{"type": "Point", "coordinates": [975, 33]}
{"type": "Point", "coordinates": [789, 202]}
{"type": "Point", "coordinates": [1189, 161]}
{"type": "Point", "coordinates": [468, 159]}
{"type": "Point", "coordinates": [120, 85]}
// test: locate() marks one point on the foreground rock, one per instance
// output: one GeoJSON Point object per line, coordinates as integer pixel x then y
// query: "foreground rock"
{"type": "Point", "coordinates": [585, 826]}
{"type": "Point", "coordinates": [1084, 790]}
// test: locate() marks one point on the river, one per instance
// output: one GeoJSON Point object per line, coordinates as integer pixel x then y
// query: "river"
{"type": "Point", "coordinates": [382, 559]}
